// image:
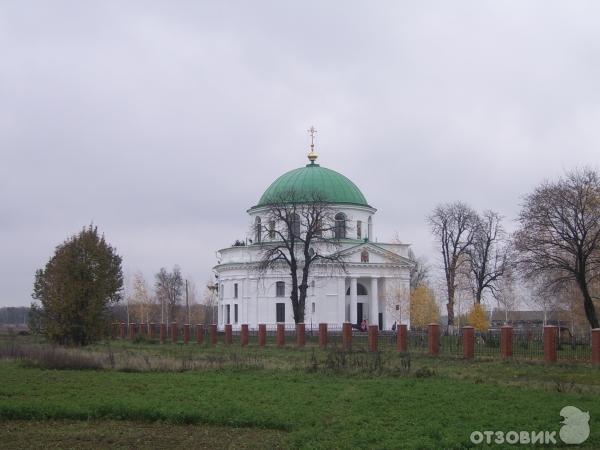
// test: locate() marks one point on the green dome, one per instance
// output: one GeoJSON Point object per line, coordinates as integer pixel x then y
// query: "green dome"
{"type": "Point", "coordinates": [313, 179]}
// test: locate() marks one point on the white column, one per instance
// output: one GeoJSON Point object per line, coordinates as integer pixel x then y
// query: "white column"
{"type": "Point", "coordinates": [341, 314]}
{"type": "Point", "coordinates": [256, 304]}
{"type": "Point", "coordinates": [243, 303]}
{"type": "Point", "coordinates": [387, 316]}
{"type": "Point", "coordinates": [353, 300]}
{"type": "Point", "coordinates": [374, 319]}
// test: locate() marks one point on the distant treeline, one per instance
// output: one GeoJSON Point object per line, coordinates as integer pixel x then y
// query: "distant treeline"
{"type": "Point", "coordinates": [18, 315]}
{"type": "Point", "coordinates": [14, 315]}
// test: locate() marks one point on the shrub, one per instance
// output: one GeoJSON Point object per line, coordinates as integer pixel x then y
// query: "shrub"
{"type": "Point", "coordinates": [425, 372]}
{"type": "Point", "coordinates": [478, 318]}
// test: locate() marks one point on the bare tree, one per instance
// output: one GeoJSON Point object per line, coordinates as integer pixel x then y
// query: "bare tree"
{"type": "Point", "coordinates": [169, 291]}
{"type": "Point", "coordinates": [463, 293]}
{"type": "Point", "coordinates": [453, 227]}
{"type": "Point", "coordinates": [572, 305]}
{"type": "Point", "coordinates": [505, 294]}
{"type": "Point", "coordinates": [544, 296]}
{"type": "Point", "coordinates": [302, 232]}
{"type": "Point", "coordinates": [209, 299]}
{"type": "Point", "coordinates": [140, 301]}
{"type": "Point", "coordinates": [419, 273]}
{"type": "Point", "coordinates": [559, 234]}
{"type": "Point", "coordinates": [487, 254]}
{"type": "Point", "coordinates": [396, 299]}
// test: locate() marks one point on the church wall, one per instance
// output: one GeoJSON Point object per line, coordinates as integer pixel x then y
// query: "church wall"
{"type": "Point", "coordinates": [257, 298]}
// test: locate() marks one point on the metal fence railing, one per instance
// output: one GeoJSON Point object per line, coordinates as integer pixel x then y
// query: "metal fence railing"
{"type": "Point", "coordinates": [526, 344]}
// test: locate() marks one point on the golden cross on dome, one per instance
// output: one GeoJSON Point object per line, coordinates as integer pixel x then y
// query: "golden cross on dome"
{"type": "Point", "coordinates": [312, 156]}
{"type": "Point", "coordinates": [312, 131]}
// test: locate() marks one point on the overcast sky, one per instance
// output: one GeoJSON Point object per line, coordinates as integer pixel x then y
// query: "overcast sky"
{"type": "Point", "coordinates": [163, 122]}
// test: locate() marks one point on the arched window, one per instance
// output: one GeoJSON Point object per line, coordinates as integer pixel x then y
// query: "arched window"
{"type": "Point", "coordinates": [358, 229]}
{"type": "Point", "coordinates": [295, 225]}
{"type": "Point", "coordinates": [257, 230]}
{"type": "Point", "coordinates": [370, 228]}
{"type": "Point", "coordinates": [360, 290]}
{"type": "Point", "coordinates": [340, 226]}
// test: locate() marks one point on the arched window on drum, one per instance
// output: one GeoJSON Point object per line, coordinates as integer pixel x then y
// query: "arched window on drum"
{"type": "Point", "coordinates": [257, 230]}
{"type": "Point", "coordinates": [295, 225]}
{"type": "Point", "coordinates": [340, 226]}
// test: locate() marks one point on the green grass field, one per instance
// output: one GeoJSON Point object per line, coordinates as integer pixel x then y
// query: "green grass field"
{"type": "Point", "coordinates": [284, 397]}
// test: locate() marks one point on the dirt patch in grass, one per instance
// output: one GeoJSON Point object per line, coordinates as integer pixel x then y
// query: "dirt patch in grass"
{"type": "Point", "coordinates": [125, 435]}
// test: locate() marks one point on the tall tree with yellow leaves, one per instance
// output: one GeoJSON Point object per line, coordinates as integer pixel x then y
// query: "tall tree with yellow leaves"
{"type": "Point", "coordinates": [423, 307]}
{"type": "Point", "coordinates": [478, 318]}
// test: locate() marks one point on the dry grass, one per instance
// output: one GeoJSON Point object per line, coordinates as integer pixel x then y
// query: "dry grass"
{"type": "Point", "coordinates": [48, 356]}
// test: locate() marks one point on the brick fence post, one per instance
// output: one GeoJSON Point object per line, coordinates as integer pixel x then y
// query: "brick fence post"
{"type": "Point", "coordinates": [122, 330]}
{"type": "Point", "coordinates": [550, 343]}
{"type": "Point", "coordinates": [174, 332]}
{"type": "Point", "coordinates": [322, 335]}
{"type": "Point", "coordinates": [596, 346]}
{"type": "Point", "coordinates": [300, 335]}
{"type": "Point", "coordinates": [142, 329]}
{"type": "Point", "coordinates": [199, 333]}
{"type": "Point", "coordinates": [402, 339]}
{"type": "Point", "coordinates": [228, 334]}
{"type": "Point", "coordinates": [468, 335]}
{"type": "Point", "coordinates": [262, 335]}
{"type": "Point", "coordinates": [244, 335]}
{"type": "Point", "coordinates": [186, 333]}
{"type": "Point", "coordinates": [163, 333]}
{"type": "Point", "coordinates": [213, 334]}
{"type": "Point", "coordinates": [433, 338]}
{"type": "Point", "coordinates": [347, 335]}
{"type": "Point", "coordinates": [131, 330]}
{"type": "Point", "coordinates": [152, 330]}
{"type": "Point", "coordinates": [373, 337]}
{"type": "Point", "coordinates": [280, 335]}
{"type": "Point", "coordinates": [506, 341]}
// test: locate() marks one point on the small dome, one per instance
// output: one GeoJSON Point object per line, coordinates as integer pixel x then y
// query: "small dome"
{"type": "Point", "coordinates": [313, 179]}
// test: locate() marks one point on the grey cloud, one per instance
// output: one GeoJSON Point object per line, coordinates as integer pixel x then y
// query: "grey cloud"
{"type": "Point", "coordinates": [163, 123]}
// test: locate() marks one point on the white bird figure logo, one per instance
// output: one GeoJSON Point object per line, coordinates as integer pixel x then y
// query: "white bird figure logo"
{"type": "Point", "coordinates": [575, 426]}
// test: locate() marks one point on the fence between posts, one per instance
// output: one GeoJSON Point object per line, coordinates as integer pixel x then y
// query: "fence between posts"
{"type": "Point", "coordinates": [550, 344]}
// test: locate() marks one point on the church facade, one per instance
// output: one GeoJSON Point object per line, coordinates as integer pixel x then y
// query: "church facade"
{"type": "Point", "coordinates": [372, 284]}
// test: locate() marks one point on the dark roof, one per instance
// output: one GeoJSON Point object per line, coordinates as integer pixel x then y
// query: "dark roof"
{"type": "Point", "coordinates": [527, 316]}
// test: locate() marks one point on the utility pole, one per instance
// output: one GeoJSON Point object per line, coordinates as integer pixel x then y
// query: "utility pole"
{"type": "Point", "coordinates": [187, 303]}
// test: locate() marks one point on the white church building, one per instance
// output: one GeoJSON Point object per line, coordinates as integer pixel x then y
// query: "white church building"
{"type": "Point", "coordinates": [373, 284]}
